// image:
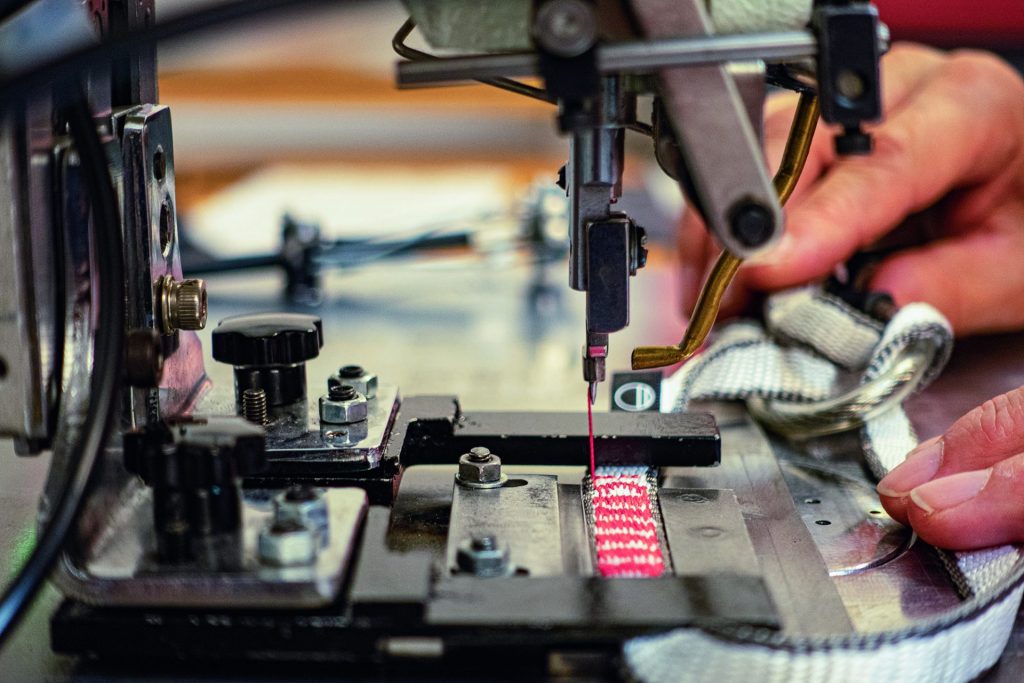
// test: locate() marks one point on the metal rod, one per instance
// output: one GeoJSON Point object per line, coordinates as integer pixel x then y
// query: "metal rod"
{"type": "Point", "coordinates": [413, 55]}
{"type": "Point", "coordinates": [630, 56]}
{"type": "Point", "coordinates": [798, 145]}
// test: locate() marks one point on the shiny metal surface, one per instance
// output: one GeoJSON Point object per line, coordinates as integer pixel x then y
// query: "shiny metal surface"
{"type": "Point", "coordinates": [523, 516]}
{"type": "Point", "coordinates": [803, 420]}
{"type": "Point", "coordinates": [627, 56]}
{"type": "Point", "coordinates": [26, 304]}
{"type": "Point", "coordinates": [122, 572]}
{"type": "Point", "coordinates": [297, 431]}
{"type": "Point", "coordinates": [723, 152]}
{"type": "Point", "coordinates": [147, 174]}
{"type": "Point", "coordinates": [515, 349]}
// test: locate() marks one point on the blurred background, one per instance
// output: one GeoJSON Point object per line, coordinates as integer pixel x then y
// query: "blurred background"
{"type": "Point", "coordinates": [294, 123]}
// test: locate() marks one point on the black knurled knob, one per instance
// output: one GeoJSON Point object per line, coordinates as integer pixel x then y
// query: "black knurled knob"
{"type": "Point", "coordinates": [263, 339]}
{"type": "Point", "coordinates": [269, 351]}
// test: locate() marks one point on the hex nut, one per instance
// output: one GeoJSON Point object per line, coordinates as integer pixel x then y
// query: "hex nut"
{"type": "Point", "coordinates": [343, 412]}
{"type": "Point", "coordinates": [287, 544]}
{"type": "Point", "coordinates": [304, 505]}
{"type": "Point", "coordinates": [483, 556]}
{"type": "Point", "coordinates": [359, 379]}
{"type": "Point", "coordinates": [478, 472]}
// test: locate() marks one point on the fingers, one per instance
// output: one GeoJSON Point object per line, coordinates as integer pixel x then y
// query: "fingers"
{"type": "Point", "coordinates": [974, 509]}
{"type": "Point", "coordinates": [971, 278]}
{"type": "Point", "coordinates": [906, 67]}
{"type": "Point", "coordinates": [692, 243]}
{"type": "Point", "coordinates": [980, 439]}
{"type": "Point", "coordinates": [938, 140]}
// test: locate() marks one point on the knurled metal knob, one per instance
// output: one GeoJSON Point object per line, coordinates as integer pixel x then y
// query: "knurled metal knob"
{"type": "Point", "coordinates": [182, 304]}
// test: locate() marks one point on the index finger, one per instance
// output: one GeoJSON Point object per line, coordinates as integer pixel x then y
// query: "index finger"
{"type": "Point", "coordinates": [941, 139]}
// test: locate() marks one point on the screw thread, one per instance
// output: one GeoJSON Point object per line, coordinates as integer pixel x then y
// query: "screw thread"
{"type": "Point", "coordinates": [254, 406]}
{"type": "Point", "coordinates": [341, 392]}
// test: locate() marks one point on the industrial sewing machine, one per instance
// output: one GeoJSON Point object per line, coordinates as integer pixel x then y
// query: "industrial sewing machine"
{"type": "Point", "coordinates": [331, 518]}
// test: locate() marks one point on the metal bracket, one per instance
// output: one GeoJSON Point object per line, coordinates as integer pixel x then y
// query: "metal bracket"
{"type": "Point", "coordinates": [727, 169]}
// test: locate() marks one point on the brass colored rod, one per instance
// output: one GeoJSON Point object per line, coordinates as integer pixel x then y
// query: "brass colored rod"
{"type": "Point", "coordinates": [798, 145]}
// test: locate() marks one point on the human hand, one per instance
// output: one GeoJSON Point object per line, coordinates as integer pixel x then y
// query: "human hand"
{"type": "Point", "coordinates": [962, 490]}
{"type": "Point", "coordinates": [953, 137]}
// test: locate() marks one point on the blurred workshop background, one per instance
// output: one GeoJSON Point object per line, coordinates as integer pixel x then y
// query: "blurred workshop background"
{"type": "Point", "coordinates": [434, 211]}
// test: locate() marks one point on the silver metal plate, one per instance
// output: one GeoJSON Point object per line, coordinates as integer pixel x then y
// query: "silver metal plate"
{"type": "Point", "coordinates": [524, 513]}
{"type": "Point", "coordinates": [297, 434]}
{"type": "Point", "coordinates": [706, 533]}
{"type": "Point", "coordinates": [119, 572]}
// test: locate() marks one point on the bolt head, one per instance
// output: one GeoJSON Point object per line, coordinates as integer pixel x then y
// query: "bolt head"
{"type": "Point", "coordinates": [752, 224]}
{"type": "Point", "coordinates": [566, 28]}
{"type": "Point", "coordinates": [343, 412]}
{"type": "Point", "coordinates": [306, 506]}
{"type": "Point", "coordinates": [363, 382]}
{"type": "Point", "coordinates": [479, 454]}
{"type": "Point", "coordinates": [483, 559]}
{"type": "Point", "coordinates": [475, 471]}
{"type": "Point", "coordinates": [287, 544]}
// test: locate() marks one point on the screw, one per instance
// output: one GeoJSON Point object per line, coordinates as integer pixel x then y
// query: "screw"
{"type": "Point", "coordinates": [182, 304]}
{"type": "Point", "coordinates": [300, 494]}
{"type": "Point", "coordinates": [341, 392]}
{"type": "Point", "coordinates": [751, 224]}
{"type": "Point", "coordinates": [566, 28]}
{"type": "Point", "coordinates": [488, 542]}
{"type": "Point", "coordinates": [850, 84]}
{"type": "Point", "coordinates": [350, 371]}
{"type": "Point", "coordinates": [254, 406]}
{"type": "Point", "coordinates": [479, 468]}
{"type": "Point", "coordinates": [479, 454]}
{"type": "Point", "coordinates": [482, 555]}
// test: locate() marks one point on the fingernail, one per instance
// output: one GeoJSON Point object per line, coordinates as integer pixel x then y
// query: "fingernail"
{"type": "Point", "coordinates": [948, 492]}
{"type": "Point", "coordinates": [919, 467]}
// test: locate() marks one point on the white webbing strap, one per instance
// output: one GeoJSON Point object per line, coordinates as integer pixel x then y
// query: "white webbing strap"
{"type": "Point", "coordinates": [812, 347]}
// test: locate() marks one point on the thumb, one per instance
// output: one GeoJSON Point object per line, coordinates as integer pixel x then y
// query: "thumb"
{"type": "Point", "coordinates": [983, 437]}
{"type": "Point", "coordinates": [973, 509]}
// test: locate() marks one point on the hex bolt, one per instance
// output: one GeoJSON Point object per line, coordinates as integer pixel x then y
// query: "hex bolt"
{"type": "Point", "coordinates": [182, 304]}
{"type": "Point", "coordinates": [287, 543]}
{"type": "Point", "coordinates": [480, 469]}
{"type": "Point", "coordinates": [488, 542]}
{"type": "Point", "coordinates": [343, 405]}
{"type": "Point", "coordinates": [307, 506]}
{"type": "Point", "coordinates": [342, 392]}
{"type": "Point", "coordinates": [350, 371]}
{"type": "Point", "coordinates": [483, 555]}
{"type": "Point", "coordinates": [479, 454]}
{"type": "Point", "coordinates": [357, 377]}
{"type": "Point", "coordinates": [254, 406]}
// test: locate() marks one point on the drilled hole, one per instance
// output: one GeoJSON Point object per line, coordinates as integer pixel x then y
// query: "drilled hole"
{"type": "Point", "coordinates": [166, 225]}
{"type": "Point", "coordinates": [812, 501]}
{"type": "Point", "coordinates": [823, 522]}
{"type": "Point", "coordinates": [159, 164]}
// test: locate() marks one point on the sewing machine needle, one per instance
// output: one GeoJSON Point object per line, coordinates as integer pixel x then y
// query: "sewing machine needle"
{"type": "Point", "coordinates": [590, 427]}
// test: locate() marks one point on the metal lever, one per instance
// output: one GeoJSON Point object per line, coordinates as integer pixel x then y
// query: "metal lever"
{"type": "Point", "coordinates": [798, 145]}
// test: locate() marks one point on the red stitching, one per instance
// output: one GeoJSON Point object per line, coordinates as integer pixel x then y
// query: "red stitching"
{"type": "Point", "coordinates": [625, 533]}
